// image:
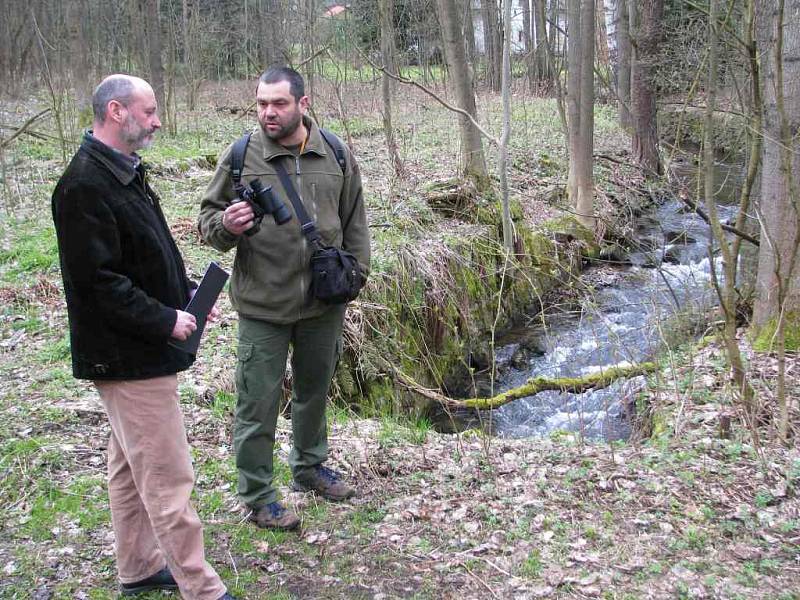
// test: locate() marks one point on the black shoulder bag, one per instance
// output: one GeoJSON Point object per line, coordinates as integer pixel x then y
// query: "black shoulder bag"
{"type": "Point", "coordinates": [335, 273]}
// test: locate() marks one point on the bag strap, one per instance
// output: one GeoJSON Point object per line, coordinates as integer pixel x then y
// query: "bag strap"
{"type": "Point", "coordinates": [337, 146]}
{"type": "Point", "coordinates": [306, 224]}
{"type": "Point", "coordinates": [237, 161]}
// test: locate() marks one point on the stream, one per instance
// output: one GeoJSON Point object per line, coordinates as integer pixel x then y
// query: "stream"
{"type": "Point", "coordinates": [630, 312]}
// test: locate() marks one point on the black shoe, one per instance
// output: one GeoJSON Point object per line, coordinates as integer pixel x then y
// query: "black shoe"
{"type": "Point", "coordinates": [163, 580]}
{"type": "Point", "coordinates": [227, 596]}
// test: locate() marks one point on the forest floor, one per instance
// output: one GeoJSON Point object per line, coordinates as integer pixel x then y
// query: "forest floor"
{"type": "Point", "coordinates": [680, 513]}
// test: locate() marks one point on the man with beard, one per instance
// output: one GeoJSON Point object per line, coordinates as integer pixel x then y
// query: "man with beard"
{"type": "Point", "coordinates": [125, 286]}
{"type": "Point", "coordinates": [270, 291]}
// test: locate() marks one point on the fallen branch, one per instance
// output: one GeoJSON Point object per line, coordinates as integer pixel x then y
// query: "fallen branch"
{"type": "Point", "coordinates": [20, 130]}
{"type": "Point", "coordinates": [533, 386]}
{"type": "Point", "coordinates": [729, 228]}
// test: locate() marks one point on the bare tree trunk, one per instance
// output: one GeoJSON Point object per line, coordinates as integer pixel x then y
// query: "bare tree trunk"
{"type": "Point", "coordinates": [154, 59]}
{"type": "Point", "coordinates": [474, 164]}
{"type": "Point", "coordinates": [385, 8]}
{"type": "Point", "coordinates": [527, 39]}
{"type": "Point", "coordinates": [727, 291]}
{"type": "Point", "coordinates": [645, 42]}
{"type": "Point", "coordinates": [580, 107]}
{"type": "Point", "coordinates": [496, 61]}
{"type": "Point", "coordinates": [508, 228]}
{"type": "Point", "coordinates": [777, 309]}
{"type": "Point", "coordinates": [748, 263]}
{"type": "Point", "coordinates": [623, 64]}
{"type": "Point", "coordinates": [79, 59]}
{"type": "Point", "coordinates": [601, 43]}
{"type": "Point", "coordinates": [469, 31]}
{"type": "Point", "coordinates": [544, 64]}
{"type": "Point", "coordinates": [136, 38]}
{"type": "Point", "coordinates": [309, 43]}
{"type": "Point", "coordinates": [272, 52]}
{"type": "Point", "coordinates": [193, 69]}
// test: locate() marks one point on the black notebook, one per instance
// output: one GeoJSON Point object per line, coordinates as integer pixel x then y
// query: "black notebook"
{"type": "Point", "coordinates": [201, 304]}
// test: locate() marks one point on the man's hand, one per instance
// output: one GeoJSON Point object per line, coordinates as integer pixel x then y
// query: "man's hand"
{"type": "Point", "coordinates": [185, 325]}
{"type": "Point", "coordinates": [238, 217]}
{"type": "Point", "coordinates": [214, 314]}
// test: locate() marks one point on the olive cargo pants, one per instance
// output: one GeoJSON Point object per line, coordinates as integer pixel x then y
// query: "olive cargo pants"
{"type": "Point", "coordinates": [263, 348]}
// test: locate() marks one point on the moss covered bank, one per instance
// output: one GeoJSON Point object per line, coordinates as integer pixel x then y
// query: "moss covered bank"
{"type": "Point", "coordinates": [431, 312]}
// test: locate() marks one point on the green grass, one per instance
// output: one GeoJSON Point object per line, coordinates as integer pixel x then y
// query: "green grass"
{"type": "Point", "coordinates": [59, 351]}
{"type": "Point", "coordinates": [363, 519]}
{"type": "Point", "coordinates": [223, 404]}
{"type": "Point", "coordinates": [532, 566]}
{"type": "Point", "coordinates": [85, 501]}
{"type": "Point", "coordinates": [33, 250]}
{"type": "Point", "coordinates": [397, 430]}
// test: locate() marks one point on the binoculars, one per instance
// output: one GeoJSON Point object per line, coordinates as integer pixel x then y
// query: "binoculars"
{"type": "Point", "coordinates": [264, 202]}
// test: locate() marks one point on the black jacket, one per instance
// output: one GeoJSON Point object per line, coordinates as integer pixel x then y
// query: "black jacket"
{"type": "Point", "coordinates": [123, 274]}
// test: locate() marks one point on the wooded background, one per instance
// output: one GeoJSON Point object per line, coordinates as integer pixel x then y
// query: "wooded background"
{"type": "Point", "coordinates": [680, 72]}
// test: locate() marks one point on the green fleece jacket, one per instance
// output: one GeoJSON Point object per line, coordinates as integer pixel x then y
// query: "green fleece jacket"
{"type": "Point", "coordinates": [272, 269]}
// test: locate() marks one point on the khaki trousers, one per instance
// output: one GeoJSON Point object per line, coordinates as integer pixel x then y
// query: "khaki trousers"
{"type": "Point", "coordinates": [150, 479]}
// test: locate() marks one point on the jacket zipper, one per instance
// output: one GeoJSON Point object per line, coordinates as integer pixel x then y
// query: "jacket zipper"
{"type": "Point", "coordinates": [305, 242]}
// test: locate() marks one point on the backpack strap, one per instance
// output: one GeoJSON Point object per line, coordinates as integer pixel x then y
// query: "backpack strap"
{"type": "Point", "coordinates": [237, 162]}
{"type": "Point", "coordinates": [337, 146]}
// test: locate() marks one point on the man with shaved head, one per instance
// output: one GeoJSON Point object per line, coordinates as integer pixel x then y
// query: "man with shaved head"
{"type": "Point", "coordinates": [125, 285]}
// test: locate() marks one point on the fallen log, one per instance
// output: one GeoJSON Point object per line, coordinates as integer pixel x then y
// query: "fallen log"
{"type": "Point", "coordinates": [575, 385]}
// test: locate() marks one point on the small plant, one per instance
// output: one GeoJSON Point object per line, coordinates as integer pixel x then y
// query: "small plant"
{"type": "Point", "coordinates": [764, 498]}
{"type": "Point", "coordinates": [531, 567]}
{"type": "Point", "coordinates": [223, 404]}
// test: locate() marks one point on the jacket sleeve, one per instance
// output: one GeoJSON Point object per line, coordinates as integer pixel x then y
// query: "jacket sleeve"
{"type": "Point", "coordinates": [91, 258]}
{"type": "Point", "coordinates": [218, 195]}
{"type": "Point", "coordinates": [353, 216]}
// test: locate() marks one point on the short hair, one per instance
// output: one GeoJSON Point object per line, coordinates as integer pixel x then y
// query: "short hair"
{"type": "Point", "coordinates": [297, 86]}
{"type": "Point", "coordinates": [115, 87]}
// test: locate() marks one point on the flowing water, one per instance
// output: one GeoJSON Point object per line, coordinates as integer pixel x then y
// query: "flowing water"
{"type": "Point", "coordinates": [623, 321]}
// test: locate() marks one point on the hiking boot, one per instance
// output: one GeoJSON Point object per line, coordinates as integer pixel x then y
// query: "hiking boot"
{"type": "Point", "coordinates": [324, 481]}
{"type": "Point", "coordinates": [273, 516]}
{"type": "Point", "coordinates": [163, 580]}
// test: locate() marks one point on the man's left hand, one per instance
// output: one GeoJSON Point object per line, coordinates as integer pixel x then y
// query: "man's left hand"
{"type": "Point", "coordinates": [214, 314]}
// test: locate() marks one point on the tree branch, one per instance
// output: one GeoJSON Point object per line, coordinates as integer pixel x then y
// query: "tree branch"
{"type": "Point", "coordinates": [493, 140]}
{"type": "Point", "coordinates": [533, 386]}
{"type": "Point", "coordinates": [20, 130]}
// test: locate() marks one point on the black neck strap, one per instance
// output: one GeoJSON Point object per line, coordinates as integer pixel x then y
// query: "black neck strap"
{"type": "Point", "coordinates": [307, 226]}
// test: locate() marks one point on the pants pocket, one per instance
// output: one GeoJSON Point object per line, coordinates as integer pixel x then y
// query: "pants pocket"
{"type": "Point", "coordinates": [245, 356]}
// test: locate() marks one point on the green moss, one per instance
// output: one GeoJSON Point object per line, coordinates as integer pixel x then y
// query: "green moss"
{"type": "Point", "coordinates": [765, 339]}
{"type": "Point", "coordinates": [569, 226]}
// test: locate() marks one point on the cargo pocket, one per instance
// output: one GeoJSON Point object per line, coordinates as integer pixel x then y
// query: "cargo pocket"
{"type": "Point", "coordinates": [244, 364]}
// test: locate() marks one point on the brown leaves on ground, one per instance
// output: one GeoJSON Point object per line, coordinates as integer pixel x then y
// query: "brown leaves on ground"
{"type": "Point", "coordinates": [469, 516]}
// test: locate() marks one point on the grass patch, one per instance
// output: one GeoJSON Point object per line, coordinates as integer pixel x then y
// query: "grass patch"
{"type": "Point", "coordinates": [532, 566]}
{"type": "Point", "coordinates": [84, 501]}
{"type": "Point", "coordinates": [33, 251]}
